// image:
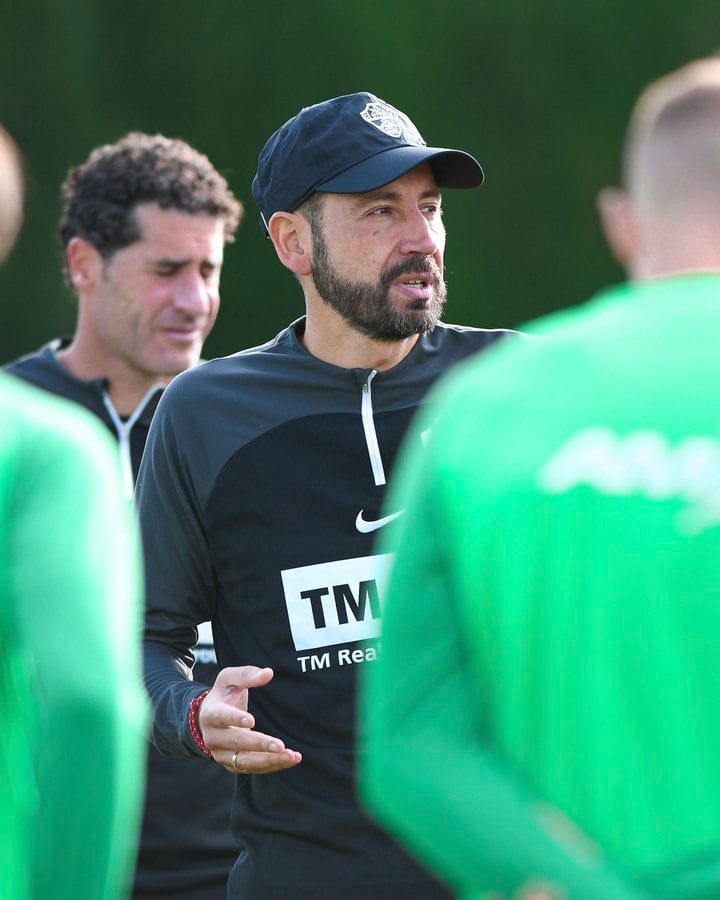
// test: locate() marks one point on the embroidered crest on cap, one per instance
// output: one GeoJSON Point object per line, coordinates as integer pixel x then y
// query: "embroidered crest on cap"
{"type": "Point", "coordinates": [391, 122]}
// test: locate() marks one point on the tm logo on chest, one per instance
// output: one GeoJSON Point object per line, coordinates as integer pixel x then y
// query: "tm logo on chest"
{"type": "Point", "coordinates": [336, 602]}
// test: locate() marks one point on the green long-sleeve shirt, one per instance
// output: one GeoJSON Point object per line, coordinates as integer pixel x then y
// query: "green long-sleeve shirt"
{"type": "Point", "coordinates": [551, 633]}
{"type": "Point", "coordinates": [72, 708]}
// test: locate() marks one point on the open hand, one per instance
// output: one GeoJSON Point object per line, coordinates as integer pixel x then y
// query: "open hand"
{"type": "Point", "coordinates": [227, 727]}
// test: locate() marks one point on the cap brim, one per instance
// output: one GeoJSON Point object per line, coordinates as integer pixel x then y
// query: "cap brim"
{"type": "Point", "coordinates": [451, 169]}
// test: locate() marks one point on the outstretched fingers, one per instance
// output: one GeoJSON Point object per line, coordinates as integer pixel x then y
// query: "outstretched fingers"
{"type": "Point", "coordinates": [251, 752]}
{"type": "Point", "coordinates": [227, 726]}
{"type": "Point", "coordinates": [260, 762]}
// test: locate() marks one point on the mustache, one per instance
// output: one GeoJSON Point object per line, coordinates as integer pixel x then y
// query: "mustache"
{"type": "Point", "coordinates": [413, 265]}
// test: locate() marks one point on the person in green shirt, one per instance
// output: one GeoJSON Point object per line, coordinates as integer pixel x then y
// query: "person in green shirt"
{"type": "Point", "coordinates": [72, 749]}
{"type": "Point", "coordinates": [544, 707]}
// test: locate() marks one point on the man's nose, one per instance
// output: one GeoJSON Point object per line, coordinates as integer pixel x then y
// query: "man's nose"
{"type": "Point", "coordinates": [421, 235]}
{"type": "Point", "coordinates": [192, 294]}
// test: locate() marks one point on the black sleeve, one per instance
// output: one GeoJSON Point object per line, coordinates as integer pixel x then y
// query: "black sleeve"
{"type": "Point", "coordinates": [179, 576]}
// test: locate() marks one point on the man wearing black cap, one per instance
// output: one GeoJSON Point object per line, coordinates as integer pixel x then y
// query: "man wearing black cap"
{"type": "Point", "coordinates": [261, 494]}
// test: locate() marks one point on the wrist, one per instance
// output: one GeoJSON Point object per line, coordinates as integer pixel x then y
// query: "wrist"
{"type": "Point", "coordinates": [194, 724]}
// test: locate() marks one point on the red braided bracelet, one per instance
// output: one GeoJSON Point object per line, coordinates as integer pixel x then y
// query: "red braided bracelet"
{"type": "Point", "coordinates": [193, 723]}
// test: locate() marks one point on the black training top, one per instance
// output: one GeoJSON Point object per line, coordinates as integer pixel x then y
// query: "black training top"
{"type": "Point", "coordinates": [260, 494]}
{"type": "Point", "coordinates": [186, 847]}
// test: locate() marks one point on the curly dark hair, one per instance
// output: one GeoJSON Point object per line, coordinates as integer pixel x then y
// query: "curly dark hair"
{"type": "Point", "coordinates": [100, 196]}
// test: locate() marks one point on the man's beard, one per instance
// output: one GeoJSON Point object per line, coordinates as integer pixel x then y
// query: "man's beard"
{"type": "Point", "coordinates": [367, 307]}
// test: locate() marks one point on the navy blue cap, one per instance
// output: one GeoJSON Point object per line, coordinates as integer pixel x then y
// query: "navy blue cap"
{"type": "Point", "coordinates": [348, 145]}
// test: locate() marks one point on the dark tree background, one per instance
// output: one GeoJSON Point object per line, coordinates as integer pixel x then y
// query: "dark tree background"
{"type": "Point", "coordinates": [540, 92]}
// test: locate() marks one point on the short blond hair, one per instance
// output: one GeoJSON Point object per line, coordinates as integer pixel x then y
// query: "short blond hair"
{"type": "Point", "coordinates": [11, 193]}
{"type": "Point", "coordinates": [672, 149]}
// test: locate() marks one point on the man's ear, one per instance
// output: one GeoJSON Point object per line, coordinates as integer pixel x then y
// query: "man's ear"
{"type": "Point", "coordinates": [292, 238]}
{"type": "Point", "coordinates": [84, 264]}
{"type": "Point", "coordinates": [619, 225]}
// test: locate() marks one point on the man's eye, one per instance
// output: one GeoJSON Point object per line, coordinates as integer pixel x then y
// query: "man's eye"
{"type": "Point", "coordinates": [380, 211]}
{"type": "Point", "coordinates": [165, 271]}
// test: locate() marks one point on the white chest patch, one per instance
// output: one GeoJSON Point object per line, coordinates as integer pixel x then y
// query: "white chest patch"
{"type": "Point", "coordinates": [336, 602]}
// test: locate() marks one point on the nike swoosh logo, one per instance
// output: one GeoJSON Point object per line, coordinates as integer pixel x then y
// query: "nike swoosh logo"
{"type": "Point", "coordinates": [365, 526]}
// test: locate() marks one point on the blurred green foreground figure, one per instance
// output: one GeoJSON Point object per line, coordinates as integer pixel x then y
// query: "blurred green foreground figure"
{"type": "Point", "coordinates": [545, 705]}
{"type": "Point", "coordinates": [72, 746]}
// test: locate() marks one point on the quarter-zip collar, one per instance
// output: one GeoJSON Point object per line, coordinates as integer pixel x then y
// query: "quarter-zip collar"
{"type": "Point", "coordinates": [123, 429]}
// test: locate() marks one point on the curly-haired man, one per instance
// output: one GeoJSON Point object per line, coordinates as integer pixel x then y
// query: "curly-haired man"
{"type": "Point", "coordinates": [144, 224]}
